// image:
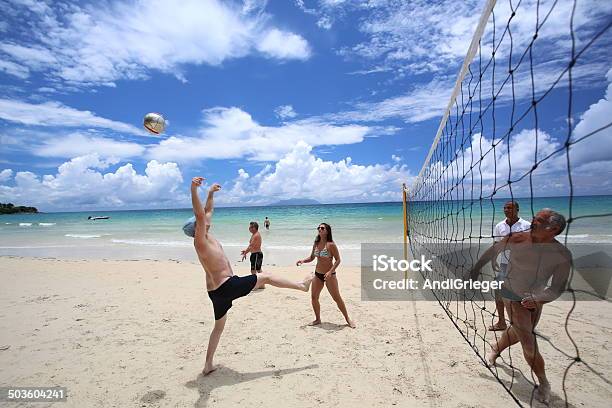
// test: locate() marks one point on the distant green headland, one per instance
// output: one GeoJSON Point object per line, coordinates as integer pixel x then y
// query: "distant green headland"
{"type": "Point", "coordinates": [12, 209]}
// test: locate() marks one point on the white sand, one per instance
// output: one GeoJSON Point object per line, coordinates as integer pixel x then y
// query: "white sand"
{"type": "Point", "coordinates": [134, 333]}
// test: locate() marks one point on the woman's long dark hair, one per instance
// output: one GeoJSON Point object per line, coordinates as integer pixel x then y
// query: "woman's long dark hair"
{"type": "Point", "coordinates": [329, 234]}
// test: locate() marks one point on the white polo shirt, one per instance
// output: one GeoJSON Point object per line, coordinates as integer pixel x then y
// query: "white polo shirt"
{"type": "Point", "coordinates": [503, 229]}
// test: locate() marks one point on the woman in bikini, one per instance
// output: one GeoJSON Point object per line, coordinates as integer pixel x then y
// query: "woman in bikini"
{"type": "Point", "coordinates": [328, 259]}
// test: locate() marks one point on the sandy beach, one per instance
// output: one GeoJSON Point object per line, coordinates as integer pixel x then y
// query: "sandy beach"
{"type": "Point", "coordinates": [134, 334]}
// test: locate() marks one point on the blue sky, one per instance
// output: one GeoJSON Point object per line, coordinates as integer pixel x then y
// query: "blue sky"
{"type": "Point", "coordinates": [332, 100]}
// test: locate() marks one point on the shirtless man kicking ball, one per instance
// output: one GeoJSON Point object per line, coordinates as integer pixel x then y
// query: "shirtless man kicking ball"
{"type": "Point", "coordinates": [222, 285]}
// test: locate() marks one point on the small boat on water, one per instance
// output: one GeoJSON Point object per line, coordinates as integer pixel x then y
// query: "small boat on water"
{"type": "Point", "coordinates": [98, 218]}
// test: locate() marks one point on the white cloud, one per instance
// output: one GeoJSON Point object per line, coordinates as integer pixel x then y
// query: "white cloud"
{"type": "Point", "coordinates": [420, 36]}
{"type": "Point", "coordinates": [326, 12]}
{"type": "Point", "coordinates": [232, 133]}
{"type": "Point", "coordinates": [428, 100]}
{"type": "Point", "coordinates": [5, 175]}
{"type": "Point", "coordinates": [253, 6]}
{"type": "Point", "coordinates": [417, 37]}
{"type": "Point", "coordinates": [285, 112]}
{"type": "Point", "coordinates": [300, 174]}
{"type": "Point", "coordinates": [80, 183]}
{"type": "Point", "coordinates": [284, 45]}
{"type": "Point", "coordinates": [100, 45]}
{"type": "Point", "coordinates": [36, 57]}
{"type": "Point", "coordinates": [497, 162]}
{"type": "Point", "coordinates": [14, 69]}
{"type": "Point", "coordinates": [598, 147]}
{"type": "Point", "coordinates": [423, 102]}
{"type": "Point", "coordinates": [77, 144]}
{"type": "Point", "coordinates": [238, 189]}
{"type": "Point", "coordinates": [34, 6]}
{"type": "Point", "coordinates": [396, 159]}
{"type": "Point", "coordinates": [591, 161]}
{"type": "Point", "coordinates": [55, 114]}
{"type": "Point", "coordinates": [426, 36]}
{"type": "Point", "coordinates": [86, 182]}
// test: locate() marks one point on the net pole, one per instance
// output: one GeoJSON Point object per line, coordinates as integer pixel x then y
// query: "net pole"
{"type": "Point", "coordinates": [405, 213]}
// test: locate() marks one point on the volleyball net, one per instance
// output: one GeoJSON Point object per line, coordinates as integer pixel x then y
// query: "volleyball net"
{"type": "Point", "coordinates": [519, 127]}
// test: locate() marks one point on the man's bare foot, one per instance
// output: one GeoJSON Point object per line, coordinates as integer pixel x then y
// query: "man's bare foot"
{"type": "Point", "coordinates": [351, 323]}
{"type": "Point", "coordinates": [315, 322]}
{"type": "Point", "coordinates": [306, 283]}
{"type": "Point", "coordinates": [499, 326]}
{"type": "Point", "coordinates": [491, 357]}
{"type": "Point", "coordinates": [208, 368]}
{"type": "Point", "coordinates": [543, 392]}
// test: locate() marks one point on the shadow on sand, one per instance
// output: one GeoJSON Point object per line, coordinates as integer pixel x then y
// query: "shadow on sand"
{"type": "Point", "coordinates": [326, 326]}
{"type": "Point", "coordinates": [524, 390]}
{"type": "Point", "coordinates": [226, 377]}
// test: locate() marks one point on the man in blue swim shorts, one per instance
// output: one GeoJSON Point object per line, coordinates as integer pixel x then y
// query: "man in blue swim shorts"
{"type": "Point", "coordinates": [222, 285]}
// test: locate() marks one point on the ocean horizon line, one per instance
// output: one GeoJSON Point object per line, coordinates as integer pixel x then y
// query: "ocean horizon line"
{"type": "Point", "coordinates": [216, 207]}
{"type": "Point", "coordinates": [304, 205]}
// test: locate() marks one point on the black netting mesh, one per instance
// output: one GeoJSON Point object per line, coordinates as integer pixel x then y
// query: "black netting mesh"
{"type": "Point", "coordinates": [511, 134]}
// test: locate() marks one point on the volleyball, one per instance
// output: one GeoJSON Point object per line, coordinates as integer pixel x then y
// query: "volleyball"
{"type": "Point", "coordinates": [154, 123]}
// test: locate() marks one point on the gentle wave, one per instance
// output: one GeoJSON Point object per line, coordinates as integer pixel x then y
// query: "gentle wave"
{"type": "Point", "coordinates": [83, 236]}
{"type": "Point", "coordinates": [25, 224]}
{"type": "Point", "coordinates": [188, 243]}
{"type": "Point", "coordinates": [46, 224]}
{"type": "Point", "coordinates": [37, 246]}
{"type": "Point", "coordinates": [300, 247]}
{"type": "Point", "coordinates": [152, 243]}
{"type": "Point", "coordinates": [307, 247]}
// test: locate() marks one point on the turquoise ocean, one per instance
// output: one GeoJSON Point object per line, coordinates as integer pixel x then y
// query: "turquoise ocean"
{"type": "Point", "coordinates": [157, 234]}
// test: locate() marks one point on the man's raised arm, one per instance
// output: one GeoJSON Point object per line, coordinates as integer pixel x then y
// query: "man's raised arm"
{"type": "Point", "coordinates": [210, 202]}
{"type": "Point", "coordinates": [198, 211]}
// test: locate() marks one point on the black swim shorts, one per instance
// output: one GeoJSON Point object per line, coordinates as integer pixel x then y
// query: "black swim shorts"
{"type": "Point", "coordinates": [231, 289]}
{"type": "Point", "coordinates": [256, 261]}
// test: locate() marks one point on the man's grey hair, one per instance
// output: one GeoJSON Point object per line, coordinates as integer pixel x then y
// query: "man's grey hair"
{"type": "Point", "coordinates": [556, 219]}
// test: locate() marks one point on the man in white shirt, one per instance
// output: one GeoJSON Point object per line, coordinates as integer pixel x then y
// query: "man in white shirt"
{"type": "Point", "coordinates": [512, 224]}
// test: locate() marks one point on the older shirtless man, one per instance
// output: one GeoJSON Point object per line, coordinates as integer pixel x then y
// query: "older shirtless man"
{"type": "Point", "coordinates": [536, 258]}
{"type": "Point", "coordinates": [222, 285]}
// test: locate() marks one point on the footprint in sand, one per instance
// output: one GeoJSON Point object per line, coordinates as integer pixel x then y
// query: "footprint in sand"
{"type": "Point", "coordinates": [153, 396]}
